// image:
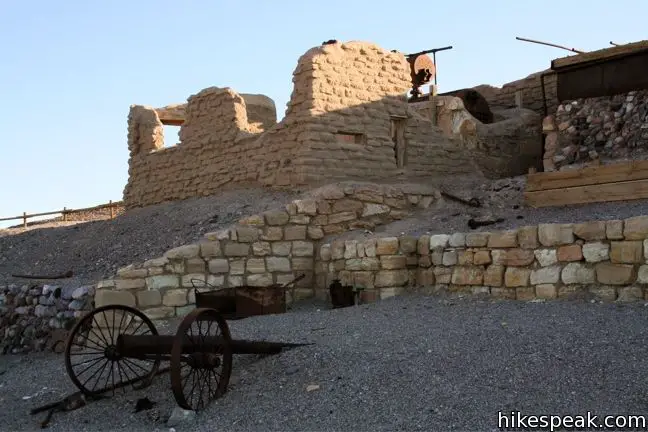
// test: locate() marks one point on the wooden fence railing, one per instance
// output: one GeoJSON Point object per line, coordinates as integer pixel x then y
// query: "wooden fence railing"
{"type": "Point", "coordinates": [65, 212]}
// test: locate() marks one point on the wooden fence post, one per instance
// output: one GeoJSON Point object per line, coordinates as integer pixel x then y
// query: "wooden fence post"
{"type": "Point", "coordinates": [64, 214]}
{"type": "Point", "coordinates": [24, 219]}
{"type": "Point", "coordinates": [112, 213]}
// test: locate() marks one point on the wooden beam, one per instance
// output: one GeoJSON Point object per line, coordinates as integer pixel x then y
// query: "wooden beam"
{"type": "Point", "coordinates": [593, 175]}
{"type": "Point", "coordinates": [601, 54]}
{"type": "Point", "coordinates": [619, 191]}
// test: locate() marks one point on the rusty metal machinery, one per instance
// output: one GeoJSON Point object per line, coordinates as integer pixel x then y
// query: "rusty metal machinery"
{"type": "Point", "coordinates": [423, 69]}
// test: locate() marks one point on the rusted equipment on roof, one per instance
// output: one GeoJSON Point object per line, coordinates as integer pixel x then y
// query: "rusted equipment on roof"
{"type": "Point", "coordinates": [423, 69]}
{"type": "Point", "coordinates": [118, 346]}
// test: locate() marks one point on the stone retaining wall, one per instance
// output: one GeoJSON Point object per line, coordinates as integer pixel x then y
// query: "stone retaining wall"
{"type": "Point", "coordinates": [270, 248]}
{"type": "Point", "coordinates": [605, 259]}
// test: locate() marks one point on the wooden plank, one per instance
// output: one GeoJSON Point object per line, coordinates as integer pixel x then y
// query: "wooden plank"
{"type": "Point", "coordinates": [620, 191]}
{"type": "Point", "coordinates": [599, 54]}
{"type": "Point", "coordinates": [592, 175]}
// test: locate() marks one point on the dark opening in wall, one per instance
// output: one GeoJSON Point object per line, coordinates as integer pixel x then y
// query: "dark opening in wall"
{"type": "Point", "coordinates": [398, 138]}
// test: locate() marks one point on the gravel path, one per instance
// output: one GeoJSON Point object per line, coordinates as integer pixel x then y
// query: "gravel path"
{"type": "Point", "coordinates": [94, 250]}
{"type": "Point", "coordinates": [407, 363]}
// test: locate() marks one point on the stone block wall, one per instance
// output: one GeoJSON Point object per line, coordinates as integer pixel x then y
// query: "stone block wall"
{"type": "Point", "coordinates": [261, 250]}
{"type": "Point", "coordinates": [587, 130]}
{"type": "Point", "coordinates": [531, 92]}
{"type": "Point", "coordinates": [606, 260]}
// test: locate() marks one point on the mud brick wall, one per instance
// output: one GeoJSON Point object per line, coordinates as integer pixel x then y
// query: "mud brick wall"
{"type": "Point", "coordinates": [260, 250]}
{"type": "Point", "coordinates": [586, 130]}
{"type": "Point", "coordinates": [530, 89]}
{"type": "Point", "coordinates": [605, 260]}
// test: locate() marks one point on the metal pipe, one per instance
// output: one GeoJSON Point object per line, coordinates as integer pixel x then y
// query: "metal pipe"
{"type": "Point", "coordinates": [550, 44]}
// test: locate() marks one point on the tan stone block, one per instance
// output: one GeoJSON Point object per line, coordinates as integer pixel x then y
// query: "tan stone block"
{"type": "Point", "coordinates": [615, 274]}
{"type": "Point", "coordinates": [215, 280]}
{"type": "Point", "coordinates": [407, 244]}
{"type": "Point", "coordinates": [569, 253]}
{"type": "Point", "coordinates": [195, 265]}
{"type": "Point", "coordinates": [494, 275]}
{"type": "Point", "coordinates": [319, 220]}
{"type": "Point", "coordinates": [635, 228]}
{"type": "Point", "coordinates": [183, 252]}
{"type": "Point", "coordinates": [106, 297]}
{"type": "Point", "coordinates": [272, 233]}
{"type": "Point", "coordinates": [465, 257]}
{"type": "Point", "coordinates": [364, 279]}
{"type": "Point", "coordinates": [323, 207]}
{"type": "Point", "coordinates": [371, 209]}
{"type": "Point", "coordinates": [155, 262]}
{"type": "Point", "coordinates": [527, 237]}
{"type": "Point", "coordinates": [353, 264]}
{"type": "Point", "coordinates": [291, 208]}
{"type": "Point", "coordinates": [234, 249]}
{"type": "Point", "coordinates": [192, 280]}
{"type": "Point", "coordinates": [546, 257]}
{"type": "Point", "coordinates": [299, 264]}
{"type": "Point", "coordinates": [276, 217]}
{"type": "Point", "coordinates": [154, 271]}
{"type": "Point", "coordinates": [629, 294]}
{"type": "Point", "coordinates": [482, 257]}
{"type": "Point", "coordinates": [604, 293]}
{"type": "Point", "coordinates": [546, 291]}
{"type": "Point", "coordinates": [519, 257]}
{"type": "Point", "coordinates": [437, 257]}
{"type": "Point", "coordinates": [350, 249]}
{"type": "Point", "coordinates": [545, 275]}
{"type": "Point", "coordinates": [614, 229]}
{"type": "Point", "coordinates": [596, 252]}
{"type": "Point", "coordinates": [314, 232]}
{"type": "Point", "coordinates": [442, 275]}
{"type": "Point", "coordinates": [370, 263]}
{"type": "Point", "coordinates": [577, 273]}
{"type": "Point", "coordinates": [259, 280]}
{"type": "Point", "coordinates": [478, 239]}
{"type": "Point", "coordinates": [255, 265]}
{"type": "Point", "coordinates": [393, 262]}
{"type": "Point", "coordinates": [386, 246]}
{"type": "Point", "coordinates": [347, 205]}
{"type": "Point", "coordinates": [642, 274]}
{"type": "Point", "coordinates": [589, 231]}
{"type": "Point", "coordinates": [281, 248]}
{"type": "Point", "coordinates": [325, 252]}
{"type": "Point", "coordinates": [457, 240]}
{"type": "Point", "coordinates": [176, 267]}
{"type": "Point", "coordinates": [306, 206]}
{"type": "Point", "coordinates": [254, 220]}
{"type": "Point", "coordinates": [336, 218]}
{"type": "Point", "coordinates": [295, 232]}
{"type": "Point", "coordinates": [278, 264]}
{"type": "Point", "coordinates": [503, 239]}
{"type": "Point", "coordinates": [525, 293]}
{"type": "Point", "coordinates": [498, 256]}
{"type": "Point", "coordinates": [391, 278]}
{"type": "Point", "coordinates": [449, 258]}
{"type": "Point", "coordinates": [128, 284]}
{"type": "Point", "coordinates": [439, 241]}
{"type": "Point", "coordinates": [424, 261]}
{"type": "Point", "coordinates": [176, 297]}
{"type": "Point", "coordinates": [149, 298]}
{"type": "Point", "coordinates": [555, 234]}
{"type": "Point", "coordinates": [425, 277]}
{"type": "Point", "coordinates": [468, 275]}
{"type": "Point", "coordinates": [218, 265]}
{"type": "Point", "coordinates": [423, 245]}
{"type": "Point", "coordinates": [480, 290]}
{"type": "Point", "coordinates": [237, 266]}
{"type": "Point", "coordinates": [299, 219]}
{"type": "Point", "coordinates": [261, 248]}
{"type": "Point", "coordinates": [163, 282]}
{"type": "Point", "coordinates": [161, 312]}
{"type": "Point", "coordinates": [247, 234]}
{"type": "Point", "coordinates": [516, 277]}
{"type": "Point", "coordinates": [370, 248]}
{"type": "Point", "coordinates": [503, 293]}
{"type": "Point", "coordinates": [626, 252]}
{"type": "Point", "coordinates": [303, 249]}
{"type": "Point", "coordinates": [130, 272]}
{"type": "Point", "coordinates": [234, 281]}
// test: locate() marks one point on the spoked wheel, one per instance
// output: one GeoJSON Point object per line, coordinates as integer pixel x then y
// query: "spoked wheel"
{"type": "Point", "coordinates": [92, 359]}
{"type": "Point", "coordinates": [201, 359]}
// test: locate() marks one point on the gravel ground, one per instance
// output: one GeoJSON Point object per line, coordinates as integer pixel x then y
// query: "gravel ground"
{"type": "Point", "coordinates": [94, 250]}
{"type": "Point", "coordinates": [409, 363]}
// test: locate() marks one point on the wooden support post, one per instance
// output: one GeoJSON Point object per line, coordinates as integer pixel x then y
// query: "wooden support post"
{"type": "Point", "coordinates": [432, 104]}
{"type": "Point", "coordinates": [64, 214]}
{"type": "Point", "coordinates": [24, 219]}
{"type": "Point", "coordinates": [112, 212]}
{"type": "Point", "coordinates": [518, 99]}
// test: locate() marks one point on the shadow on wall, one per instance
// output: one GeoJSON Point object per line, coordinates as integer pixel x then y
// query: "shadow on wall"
{"type": "Point", "coordinates": [348, 118]}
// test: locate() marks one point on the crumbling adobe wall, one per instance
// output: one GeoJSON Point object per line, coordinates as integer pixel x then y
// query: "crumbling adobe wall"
{"type": "Point", "coordinates": [339, 122]}
{"type": "Point", "coordinates": [531, 92]}
{"type": "Point", "coordinates": [216, 145]}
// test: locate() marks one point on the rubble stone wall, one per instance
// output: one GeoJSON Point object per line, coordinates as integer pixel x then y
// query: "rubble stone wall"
{"type": "Point", "coordinates": [605, 260]}
{"type": "Point", "coordinates": [587, 130]}
{"type": "Point", "coordinates": [260, 250]}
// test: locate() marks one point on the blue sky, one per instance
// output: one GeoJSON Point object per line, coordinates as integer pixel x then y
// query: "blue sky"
{"type": "Point", "coordinates": [71, 69]}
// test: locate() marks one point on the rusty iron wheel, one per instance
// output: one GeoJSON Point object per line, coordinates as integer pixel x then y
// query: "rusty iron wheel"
{"type": "Point", "coordinates": [92, 360]}
{"type": "Point", "coordinates": [201, 359]}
